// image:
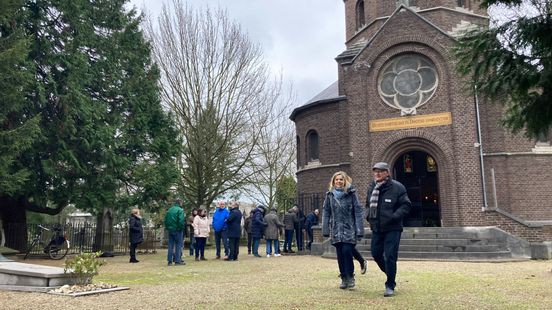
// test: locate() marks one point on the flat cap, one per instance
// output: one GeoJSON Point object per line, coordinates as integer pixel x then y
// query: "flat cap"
{"type": "Point", "coordinates": [381, 166]}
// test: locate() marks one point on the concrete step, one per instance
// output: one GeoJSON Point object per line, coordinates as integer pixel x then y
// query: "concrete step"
{"type": "Point", "coordinates": [17, 274]}
{"type": "Point", "coordinates": [441, 248]}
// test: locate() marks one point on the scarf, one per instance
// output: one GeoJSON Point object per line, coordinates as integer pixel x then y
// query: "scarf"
{"type": "Point", "coordinates": [338, 193]}
{"type": "Point", "coordinates": [374, 199]}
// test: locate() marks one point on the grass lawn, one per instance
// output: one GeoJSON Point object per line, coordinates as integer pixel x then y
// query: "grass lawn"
{"type": "Point", "coordinates": [304, 282]}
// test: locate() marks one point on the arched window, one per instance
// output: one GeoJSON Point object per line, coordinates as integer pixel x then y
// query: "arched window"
{"type": "Point", "coordinates": [312, 147]}
{"type": "Point", "coordinates": [360, 19]}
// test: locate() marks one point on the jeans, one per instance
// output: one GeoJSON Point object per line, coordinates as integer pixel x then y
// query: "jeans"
{"type": "Point", "coordinates": [385, 251]}
{"type": "Point", "coordinates": [256, 242]}
{"type": "Point", "coordinates": [200, 247]}
{"type": "Point", "coordinates": [310, 235]}
{"type": "Point", "coordinates": [344, 253]}
{"type": "Point", "coordinates": [218, 236]}
{"type": "Point", "coordinates": [234, 248]}
{"type": "Point", "coordinates": [288, 240]}
{"type": "Point", "coordinates": [269, 246]}
{"type": "Point", "coordinates": [174, 254]}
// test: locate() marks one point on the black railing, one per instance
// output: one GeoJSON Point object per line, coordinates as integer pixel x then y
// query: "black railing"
{"type": "Point", "coordinates": [310, 202]}
{"type": "Point", "coordinates": [83, 238]}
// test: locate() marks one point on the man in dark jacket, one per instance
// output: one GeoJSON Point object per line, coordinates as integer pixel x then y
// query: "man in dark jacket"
{"type": "Point", "coordinates": [386, 205]}
{"type": "Point", "coordinates": [311, 220]}
{"type": "Point", "coordinates": [299, 227]}
{"type": "Point", "coordinates": [290, 219]}
{"type": "Point", "coordinates": [234, 231]}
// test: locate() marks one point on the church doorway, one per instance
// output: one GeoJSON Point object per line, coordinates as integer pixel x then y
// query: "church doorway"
{"type": "Point", "coordinates": [418, 171]}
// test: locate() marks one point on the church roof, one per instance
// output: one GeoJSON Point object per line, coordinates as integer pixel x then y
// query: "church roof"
{"type": "Point", "coordinates": [328, 95]}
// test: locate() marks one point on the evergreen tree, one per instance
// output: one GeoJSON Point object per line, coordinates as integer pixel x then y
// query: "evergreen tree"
{"type": "Point", "coordinates": [107, 142]}
{"type": "Point", "coordinates": [512, 63]}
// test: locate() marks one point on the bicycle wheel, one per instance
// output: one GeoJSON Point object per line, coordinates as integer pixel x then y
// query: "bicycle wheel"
{"type": "Point", "coordinates": [30, 248]}
{"type": "Point", "coordinates": [59, 251]}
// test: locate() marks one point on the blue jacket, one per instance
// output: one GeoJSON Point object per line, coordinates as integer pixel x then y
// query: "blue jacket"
{"type": "Point", "coordinates": [219, 219]}
{"type": "Point", "coordinates": [258, 223]}
{"type": "Point", "coordinates": [234, 223]}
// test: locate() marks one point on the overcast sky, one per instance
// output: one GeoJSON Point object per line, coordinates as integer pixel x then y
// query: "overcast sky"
{"type": "Point", "coordinates": [299, 37]}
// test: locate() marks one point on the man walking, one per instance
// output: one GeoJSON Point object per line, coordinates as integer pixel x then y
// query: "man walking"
{"type": "Point", "coordinates": [220, 227]}
{"type": "Point", "coordinates": [175, 223]}
{"type": "Point", "coordinates": [386, 205]}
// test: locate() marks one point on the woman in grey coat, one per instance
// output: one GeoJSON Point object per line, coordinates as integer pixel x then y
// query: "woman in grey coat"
{"type": "Point", "coordinates": [272, 233]}
{"type": "Point", "coordinates": [344, 214]}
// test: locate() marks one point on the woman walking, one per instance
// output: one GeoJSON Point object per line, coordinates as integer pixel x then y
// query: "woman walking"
{"type": "Point", "coordinates": [344, 214]}
{"type": "Point", "coordinates": [135, 233]}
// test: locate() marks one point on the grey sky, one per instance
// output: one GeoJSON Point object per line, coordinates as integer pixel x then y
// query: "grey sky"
{"type": "Point", "coordinates": [299, 37]}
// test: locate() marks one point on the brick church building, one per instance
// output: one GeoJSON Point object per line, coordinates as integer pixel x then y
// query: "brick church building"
{"type": "Point", "coordinates": [399, 99]}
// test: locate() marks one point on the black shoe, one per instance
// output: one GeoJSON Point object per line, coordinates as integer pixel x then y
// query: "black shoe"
{"type": "Point", "coordinates": [351, 282]}
{"type": "Point", "coordinates": [203, 258]}
{"type": "Point", "coordinates": [364, 267]}
{"type": "Point", "coordinates": [388, 292]}
{"type": "Point", "coordinates": [257, 255]}
{"type": "Point", "coordinates": [344, 283]}
{"type": "Point", "coordinates": [218, 257]}
{"type": "Point", "coordinates": [291, 251]}
{"type": "Point", "coordinates": [197, 259]}
{"type": "Point", "coordinates": [180, 263]}
{"type": "Point", "coordinates": [169, 264]}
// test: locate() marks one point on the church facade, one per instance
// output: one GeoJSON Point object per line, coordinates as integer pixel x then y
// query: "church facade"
{"type": "Point", "coordinates": [399, 99]}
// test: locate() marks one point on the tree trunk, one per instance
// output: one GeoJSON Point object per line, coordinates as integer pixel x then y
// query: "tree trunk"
{"type": "Point", "coordinates": [14, 222]}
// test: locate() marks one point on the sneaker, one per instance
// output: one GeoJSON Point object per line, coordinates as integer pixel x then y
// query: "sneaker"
{"type": "Point", "coordinates": [268, 255]}
{"type": "Point", "coordinates": [277, 255]}
{"type": "Point", "coordinates": [364, 267]}
{"type": "Point", "coordinates": [388, 292]}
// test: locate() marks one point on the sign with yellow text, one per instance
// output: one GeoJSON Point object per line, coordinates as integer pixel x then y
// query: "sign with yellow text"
{"type": "Point", "coordinates": [438, 119]}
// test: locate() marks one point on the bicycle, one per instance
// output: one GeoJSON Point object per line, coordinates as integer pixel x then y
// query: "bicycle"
{"type": "Point", "coordinates": [57, 248]}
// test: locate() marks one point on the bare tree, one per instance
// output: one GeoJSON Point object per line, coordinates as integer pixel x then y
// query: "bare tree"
{"type": "Point", "coordinates": [275, 150]}
{"type": "Point", "coordinates": [216, 83]}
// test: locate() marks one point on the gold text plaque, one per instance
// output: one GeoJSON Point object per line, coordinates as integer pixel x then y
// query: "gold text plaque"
{"type": "Point", "coordinates": [438, 119]}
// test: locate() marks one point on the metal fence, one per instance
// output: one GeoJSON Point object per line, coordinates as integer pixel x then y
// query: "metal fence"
{"type": "Point", "coordinates": [83, 238]}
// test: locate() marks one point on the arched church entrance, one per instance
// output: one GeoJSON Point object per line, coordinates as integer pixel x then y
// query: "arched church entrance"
{"type": "Point", "coordinates": [418, 171]}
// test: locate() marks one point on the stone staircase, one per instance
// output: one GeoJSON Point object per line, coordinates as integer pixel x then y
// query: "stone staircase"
{"type": "Point", "coordinates": [451, 243]}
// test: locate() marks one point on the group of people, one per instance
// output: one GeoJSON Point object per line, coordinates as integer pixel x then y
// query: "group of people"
{"type": "Point", "coordinates": [387, 203]}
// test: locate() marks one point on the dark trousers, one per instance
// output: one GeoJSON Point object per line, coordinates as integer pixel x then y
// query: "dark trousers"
{"type": "Point", "coordinates": [344, 253]}
{"type": "Point", "coordinates": [310, 236]}
{"type": "Point", "coordinates": [357, 255]}
{"type": "Point", "coordinates": [299, 238]}
{"type": "Point", "coordinates": [133, 247]}
{"type": "Point", "coordinates": [234, 248]}
{"type": "Point", "coordinates": [192, 244]}
{"type": "Point", "coordinates": [288, 240]}
{"type": "Point", "coordinates": [385, 251]}
{"type": "Point", "coordinates": [200, 247]}
{"type": "Point", "coordinates": [249, 242]}
{"type": "Point", "coordinates": [221, 236]}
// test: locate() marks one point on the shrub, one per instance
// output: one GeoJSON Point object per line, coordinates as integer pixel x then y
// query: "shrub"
{"type": "Point", "coordinates": [83, 267]}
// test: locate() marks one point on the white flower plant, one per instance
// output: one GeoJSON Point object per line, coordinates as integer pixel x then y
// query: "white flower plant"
{"type": "Point", "coordinates": [83, 267]}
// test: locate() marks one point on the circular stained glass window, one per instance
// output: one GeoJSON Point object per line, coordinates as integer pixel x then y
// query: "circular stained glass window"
{"type": "Point", "coordinates": [407, 82]}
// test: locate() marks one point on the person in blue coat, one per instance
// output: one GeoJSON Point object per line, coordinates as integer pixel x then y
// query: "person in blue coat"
{"type": "Point", "coordinates": [220, 227]}
{"type": "Point", "coordinates": [234, 231]}
{"type": "Point", "coordinates": [135, 233]}
{"type": "Point", "coordinates": [345, 216]}
{"type": "Point", "coordinates": [310, 221]}
{"type": "Point", "coordinates": [258, 225]}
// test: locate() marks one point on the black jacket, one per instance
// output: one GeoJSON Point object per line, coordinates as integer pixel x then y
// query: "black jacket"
{"type": "Point", "coordinates": [344, 216]}
{"type": "Point", "coordinates": [135, 230]}
{"type": "Point", "coordinates": [393, 206]}
{"type": "Point", "coordinates": [312, 220]}
{"type": "Point", "coordinates": [234, 223]}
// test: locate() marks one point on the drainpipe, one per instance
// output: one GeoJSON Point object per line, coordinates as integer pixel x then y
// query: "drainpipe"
{"type": "Point", "coordinates": [480, 145]}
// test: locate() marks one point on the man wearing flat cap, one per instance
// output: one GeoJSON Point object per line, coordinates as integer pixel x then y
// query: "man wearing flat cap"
{"type": "Point", "coordinates": [386, 205]}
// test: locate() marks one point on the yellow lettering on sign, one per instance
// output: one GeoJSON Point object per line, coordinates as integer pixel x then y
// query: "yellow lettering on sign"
{"type": "Point", "coordinates": [406, 122]}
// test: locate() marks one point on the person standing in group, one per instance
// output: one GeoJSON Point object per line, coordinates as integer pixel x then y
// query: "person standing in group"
{"type": "Point", "coordinates": [290, 219]}
{"type": "Point", "coordinates": [258, 225]}
{"type": "Point", "coordinates": [220, 227]}
{"type": "Point", "coordinates": [344, 215]}
{"type": "Point", "coordinates": [272, 232]}
{"type": "Point", "coordinates": [387, 203]}
{"type": "Point", "coordinates": [299, 227]}
{"type": "Point", "coordinates": [234, 231]}
{"type": "Point", "coordinates": [310, 221]}
{"type": "Point", "coordinates": [201, 233]}
{"type": "Point", "coordinates": [175, 223]}
{"type": "Point", "coordinates": [135, 233]}
{"type": "Point", "coordinates": [247, 228]}
{"type": "Point", "coordinates": [190, 223]}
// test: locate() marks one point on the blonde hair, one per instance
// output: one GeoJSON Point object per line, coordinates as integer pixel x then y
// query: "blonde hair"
{"type": "Point", "coordinates": [346, 178]}
{"type": "Point", "coordinates": [135, 211]}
